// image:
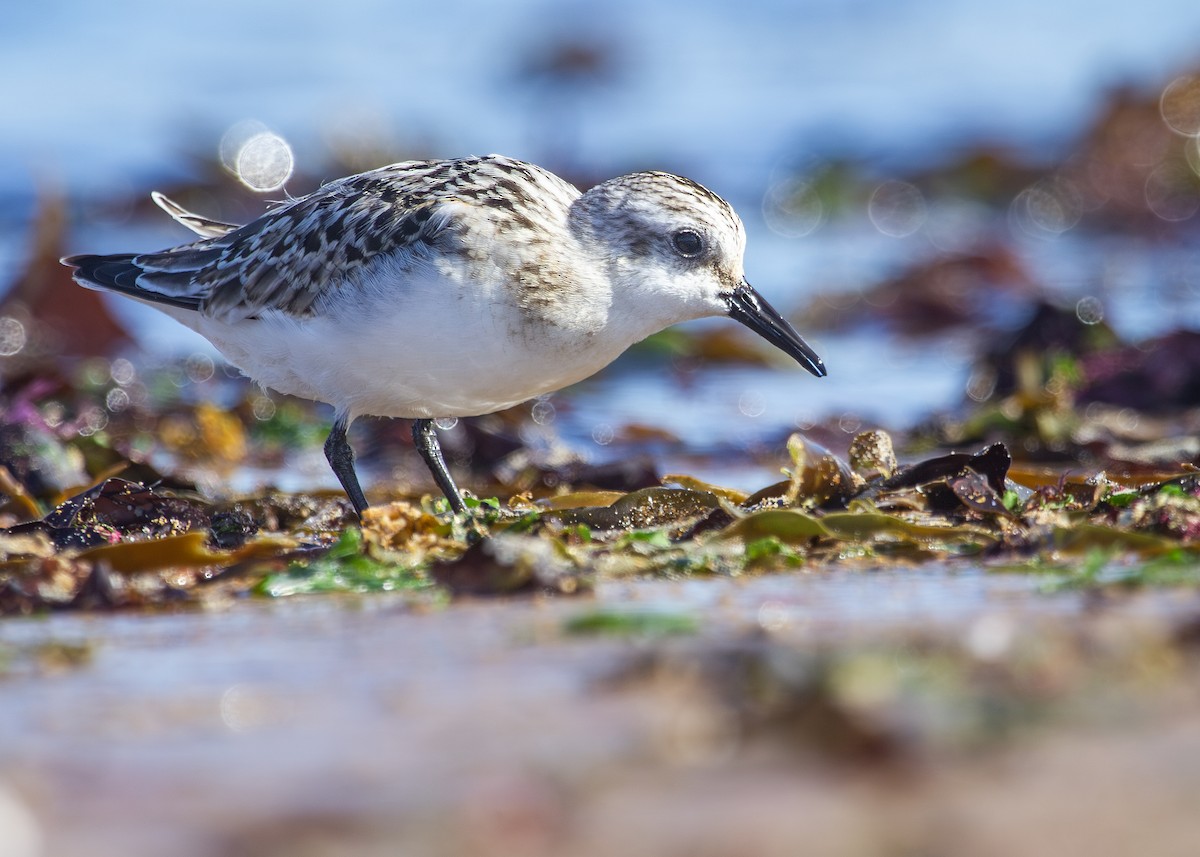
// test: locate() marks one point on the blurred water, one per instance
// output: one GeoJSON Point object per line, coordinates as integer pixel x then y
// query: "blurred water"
{"type": "Point", "coordinates": [104, 98]}
{"type": "Point", "coordinates": [98, 95]}
{"type": "Point", "coordinates": [261, 716]}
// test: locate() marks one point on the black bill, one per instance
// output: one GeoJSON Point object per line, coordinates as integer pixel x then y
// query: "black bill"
{"type": "Point", "coordinates": [748, 307]}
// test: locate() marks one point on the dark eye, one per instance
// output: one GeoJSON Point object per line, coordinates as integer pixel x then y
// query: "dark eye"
{"type": "Point", "coordinates": [688, 242]}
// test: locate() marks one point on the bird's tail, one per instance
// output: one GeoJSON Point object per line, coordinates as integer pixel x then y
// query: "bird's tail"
{"type": "Point", "coordinates": [129, 274]}
{"type": "Point", "coordinates": [163, 278]}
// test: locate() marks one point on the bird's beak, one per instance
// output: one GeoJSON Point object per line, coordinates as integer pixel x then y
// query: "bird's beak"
{"type": "Point", "coordinates": [749, 308]}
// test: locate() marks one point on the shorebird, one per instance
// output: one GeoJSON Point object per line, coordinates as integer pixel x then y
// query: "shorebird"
{"type": "Point", "coordinates": [448, 288]}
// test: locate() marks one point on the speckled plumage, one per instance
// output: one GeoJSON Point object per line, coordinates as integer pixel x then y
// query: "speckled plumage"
{"type": "Point", "coordinates": [448, 288]}
{"type": "Point", "coordinates": [305, 250]}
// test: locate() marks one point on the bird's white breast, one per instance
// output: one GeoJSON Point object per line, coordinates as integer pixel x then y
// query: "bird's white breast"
{"type": "Point", "coordinates": [440, 344]}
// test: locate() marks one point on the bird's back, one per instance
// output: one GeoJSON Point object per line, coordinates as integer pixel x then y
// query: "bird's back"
{"type": "Point", "coordinates": [302, 252]}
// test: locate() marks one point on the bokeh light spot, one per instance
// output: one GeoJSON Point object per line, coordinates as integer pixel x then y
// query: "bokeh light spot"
{"type": "Point", "coordinates": [92, 421]}
{"type": "Point", "coordinates": [117, 400]}
{"type": "Point", "coordinates": [54, 413]}
{"type": "Point", "coordinates": [1127, 419]}
{"type": "Point", "coordinates": [122, 371]}
{"type": "Point", "coordinates": [897, 209]}
{"type": "Point", "coordinates": [96, 372]}
{"type": "Point", "coordinates": [260, 158]}
{"type": "Point", "coordinates": [199, 368]}
{"type": "Point", "coordinates": [243, 708]}
{"type": "Point", "coordinates": [752, 404]}
{"type": "Point", "coordinates": [775, 616]}
{"type": "Point", "coordinates": [263, 408]}
{"type": "Point", "coordinates": [793, 208]}
{"type": "Point", "coordinates": [265, 162]}
{"type": "Point", "coordinates": [1192, 153]}
{"type": "Point", "coordinates": [12, 336]}
{"type": "Point", "coordinates": [1172, 192]}
{"type": "Point", "coordinates": [543, 412]}
{"type": "Point", "coordinates": [1180, 105]}
{"type": "Point", "coordinates": [1048, 208]}
{"type": "Point", "coordinates": [1089, 310]}
{"type": "Point", "coordinates": [981, 385]}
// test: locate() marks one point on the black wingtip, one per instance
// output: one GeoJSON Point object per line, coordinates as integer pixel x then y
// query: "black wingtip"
{"type": "Point", "coordinates": [120, 273]}
{"type": "Point", "coordinates": [81, 260]}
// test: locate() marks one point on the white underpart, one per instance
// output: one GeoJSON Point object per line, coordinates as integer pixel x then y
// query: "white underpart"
{"type": "Point", "coordinates": [449, 343]}
{"type": "Point", "coordinates": [418, 334]}
{"type": "Point", "coordinates": [428, 351]}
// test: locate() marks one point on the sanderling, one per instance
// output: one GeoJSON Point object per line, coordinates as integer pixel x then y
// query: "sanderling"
{"type": "Point", "coordinates": [448, 288]}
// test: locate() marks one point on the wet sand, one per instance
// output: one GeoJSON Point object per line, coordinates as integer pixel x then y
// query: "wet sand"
{"type": "Point", "coordinates": [331, 725]}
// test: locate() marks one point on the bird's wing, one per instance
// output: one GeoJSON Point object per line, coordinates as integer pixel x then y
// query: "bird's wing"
{"type": "Point", "coordinates": [292, 255]}
{"type": "Point", "coordinates": [203, 226]}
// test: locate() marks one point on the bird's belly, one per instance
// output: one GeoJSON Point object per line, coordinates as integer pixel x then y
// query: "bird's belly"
{"type": "Point", "coordinates": [405, 365]}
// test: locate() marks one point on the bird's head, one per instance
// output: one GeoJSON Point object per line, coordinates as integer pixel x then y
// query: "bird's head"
{"type": "Point", "coordinates": [673, 251]}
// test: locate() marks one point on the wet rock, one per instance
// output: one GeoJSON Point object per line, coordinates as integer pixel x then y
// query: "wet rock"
{"type": "Point", "coordinates": [114, 510]}
{"type": "Point", "coordinates": [231, 529]}
{"type": "Point", "coordinates": [648, 508]}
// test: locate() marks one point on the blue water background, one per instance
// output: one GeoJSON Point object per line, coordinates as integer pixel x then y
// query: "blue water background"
{"type": "Point", "coordinates": [98, 100]}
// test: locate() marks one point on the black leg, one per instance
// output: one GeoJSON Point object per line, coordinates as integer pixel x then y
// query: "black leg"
{"type": "Point", "coordinates": [341, 459]}
{"type": "Point", "coordinates": [425, 439]}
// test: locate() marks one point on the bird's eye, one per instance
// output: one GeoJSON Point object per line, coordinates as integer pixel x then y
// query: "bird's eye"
{"type": "Point", "coordinates": [687, 243]}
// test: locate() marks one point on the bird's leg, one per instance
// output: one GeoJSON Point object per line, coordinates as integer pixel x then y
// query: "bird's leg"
{"type": "Point", "coordinates": [341, 459]}
{"type": "Point", "coordinates": [426, 441]}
